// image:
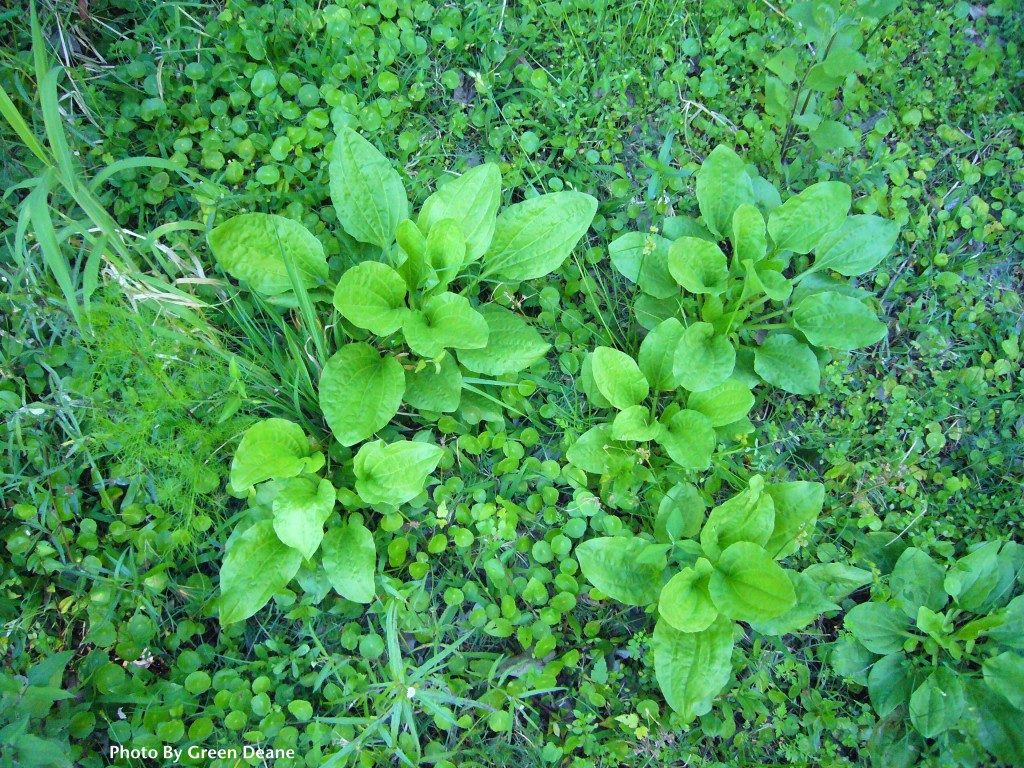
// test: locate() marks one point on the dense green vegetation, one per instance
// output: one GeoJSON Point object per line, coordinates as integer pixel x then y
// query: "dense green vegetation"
{"type": "Point", "coordinates": [558, 383]}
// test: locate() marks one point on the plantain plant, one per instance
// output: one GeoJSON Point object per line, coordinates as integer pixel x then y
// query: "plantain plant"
{"type": "Point", "coordinates": [416, 315]}
{"type": "Point", "coordinates": [756, 288]}
{"type": "Point", "coordinates": [283, 534]}
{"type": "Point", "coordinates": [749, 293]}
{"type": "Point", "coordinates": [414, 322]}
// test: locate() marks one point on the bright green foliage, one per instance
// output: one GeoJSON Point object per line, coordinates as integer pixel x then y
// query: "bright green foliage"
{"type": "Point", "coordinates": [350, 560]}
{"type": "Point", "coordinates": [727, 575]}
{"type": "Point", "coordinates": [257, 248]}
{"type": "Point", "coordinates": [393, 474]}
{"type": "Point", "coordinates": [257, 566]}
{"type": "Point", "coordinates": [726, 302]}
{"type": "Point", "coordinates": [942, 648]}
{"type": "Point", "coordinates": [360, 391]}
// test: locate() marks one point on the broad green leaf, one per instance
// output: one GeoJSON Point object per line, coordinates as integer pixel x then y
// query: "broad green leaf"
{"type": "Point", "coordinates": [366, 190]}
{"type": "Point", "coordinates": [350, 559]}
{"type": "Point", "coordinates": [723, 185]}
{"type": "Point", "coordinates": [685, 602]}
{"type": "Point", "coordinates": [937, 704]}
{"type": "Point", "coordinates": [642, 258]}
{"type": "Point", "coordinates": [728, 402]}
{"type": "Point", "coordinates": [256, 566]}
{"type": "Point", "coordinates": [446, 250]}
{"type": "Point", "coordinates": [698, 266]}
{"type": "Point", "coordinates": [797, 506]}
{"type": "Point", "coordinates": [618, 377]}
{"type": "Point", "coordinates": [971, 579]}
{"type": "Point", "coordinates": [270, 449]}
{"type": "Point", "coordinates": [393, 473]}
{"type": "Point", "coordinates": [414, 268]}
{"type": "Point", "coordinates": [879, 627]}
{"type": "Point", "coordinates": [811, 602]}
{"type": "Point", "coordinates": [253, 248]}
{"type": "Point", "coordinates": [513, 344]}
{"type": "Point", "coordinates": [917, 580]}
{"type": "Point", "coordinates": [832, 135]}
{"type": "Point", "coordinates": [748, 585]}
{"type": "Point", "coordinates": [852, 660]}
{"type": "Point", "coordinates": [689, 439]}
{"type": "Point", "coordinates": [838, 579]}
{"type": "Point", "coordinates": [749, 236]}
{"type": "Point", "coordinates": [636, 424]}
{"type": "Point", "coordinates": [587, 384]}
{"type": "Point", "coordinates": [692, 667]}
{"type": "Point", "coordinates": [597, 452]}
{"type": "Point", "coordinates": [829, 319]}
{"type": "Point", "coordinates": [801, 222]}
{"type": "Point", "coordinates": [857, 246]}
{"type": "Point", "coordinates": [534, 237]}
{"type": "Point", "coordinates": [301, 508]}
{"type": "Point", "coordinates": [996, 723]}
{"type": "Point", "coordinates": [1004, 674]}
{"type": "Point", "coordinates": [767, 279]}
{"type": "Point", "coordinates": [788, 364]}
{"type": "Point", "coordinates": [1011, 631]}
{"type": "Point", "coordinates": [890, 683]}
{"type": "Point", "coordinates": [447, 321]}
{"type": "Point", "coordinates": [675, 227]}
{"type": "Point", "coordinates": [680, 513]}
{"type": "Point", "coordinates": [657, 355]}
{"type": "Point", "coordinates": [747, 516]}
{"type": "Point", "coordinates": [703, 360]}
{"type": "Point", "coordinates": [371, 295]}
{"type": "Point", "coordinates": [472, 200]}
{"type": "Point", "coordinates": [625, 568]}
{"type": "Point", "coordinates": [435, 388]}
{"type": "Point", "coordinates": [359, 392]}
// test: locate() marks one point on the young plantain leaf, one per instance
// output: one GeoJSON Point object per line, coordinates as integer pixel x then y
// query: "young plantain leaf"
{"type": "Point", "coordinates": [257, 566]}
{"type": "Point", "coordinates": [359, 392]}
{"type": "Point", "coordinates": [350, 559]}
{"type": "Point", "coordinates": [366, 190]}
